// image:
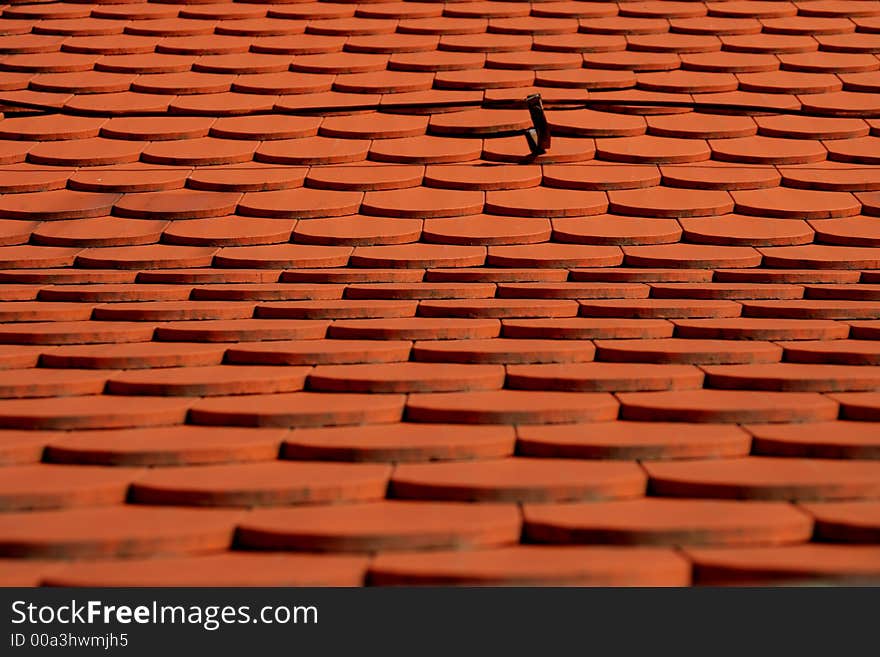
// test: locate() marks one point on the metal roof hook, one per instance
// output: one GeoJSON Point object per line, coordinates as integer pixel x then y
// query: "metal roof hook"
{"type": "Point", "coordinates": [538, 136]}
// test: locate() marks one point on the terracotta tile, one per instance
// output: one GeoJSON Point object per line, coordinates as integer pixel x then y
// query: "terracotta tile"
{"type": "Point", "coordinates": [43, 311]}
{"type": "Point", "coordinates": [642, 275]}
{"type": "Point", "coordinates": [207, 275]}
{"type": "Point", "coordinates": [228, 231]}
{"type": "Point", "coordinates": [512, 407]}
{"type": "Point", "coordinates": [493, 275]}
{"type": "Point", "coordinates": [352, 275]}
{"type": "Point", "coordinates": [286, 82]}
{"type": "Point", "coordinates": [115, 531]}
{"type": "Point", "coordinates": [797, 563]}
{"type": "Point", "coordinates": [319, 352]}
{"type": "Point", "coordinates": [714, 25]}
{"type": "Point", "coordinates": [266, 291]}
{"type": "Point", "coordinates": [300, 203]}
{"type": "Point", "coordinates": [741, 230]}
{"type": "Point", "coordinates": [42, 487]}
{"type": "Point", "coordinates": [733, 62]}
{"type": "Point", "coordinates": [854, 522]}
{"type": "Point", "coordinates": [562, 150]}
{"type": "Point", "coordinates": [395, 525]}
{"type": "Point", "coordinates": [487, 230]}
{"type": "Point", "coordinates": [382, 82]}
{"type": "Point", "coordinates": [586, 328]}
{"type": "Point", "coordinates": [861, 292]}
{"type": "Point", "coordinates": [406, 377]}
{"type": "Point", "coordinates": [572, 290]}
{"type": "Point", "coordinates": [600, 176]}
{"type": "Point", "coordinates": [863, 406]}
{"type": "Point", "coordinates": [786, 276]}
{"type": "Point", "coordinates": [829, 62]}
{"type": "Point", "coordinates": [418, 256]}
{"type": "Point", "coordinates": [56, 204]}
{"type": "Point", "coordinates": [626, 26]}
{"type": "Point", "coordinates": [205, 151]}
{"type": "Point", "coordinates": [700, 126]}
{"type": "Point", "coordinates": [812, 309]}
{"type": "Point", "coordinates": [840, 103]}
{"type": "Point", "coordinates": [358, 230]}
{"type": "Point", "coordinates": [98, 232]}
{"type": "Point", "coordinates": [668, 522]}
{"type": "Point", "coordinates": [168, 311]}
{"type": "Point", "coordinates": [621, 440]}
{"type": "Point", "coordinates": [768, 478]}
{"type": "Point", "coordinates": [47, 62]}
{"type": "Point", "coordinates": [75, 332]}
{"type": "Point", "coordinates": [26, 256]}
{"type": "Point", "coordinates": [177, 204]}
{"type": "Point", "coordinates": [670, 202]}
{"type": "Point", "coordinates": [693, 351]}
{"type": "Point", "coordinates": [133, 356]}
{"type": "Point", "coordinates": [415, 328]}
{"type": "Point", "coordinates": [554, 255]}
{"type": "Point", "coordinates": [840, 352]}
{"type": "Point", "coordinates": [221, 104]}
{"type": "Point", "coordinates": [297, 409]}
{"type": "Point", "coordinates": [426, 290]}
{"type": "Point", "coordinates": [273, 483]}
{"type": "Point", "coordinates": [503, 351]}
{"type": "Point", "coordinates": [423, 202]}
{"type": "Point", "coordinates": [604, 377]}
{"type": "Point", "coordinates": [749, 328]}
{"type": "Point", "coordinates": [15, 572]}
{"type": "Point", "coordinates": [425, 149]}
{"type": "Point", "coordinates": [533, 566]}
{"type": "Point", "coordinates": [91, 412]}
{"type": "Point", "coordinates": [792, 377]}
{"type": "Point", "coordinates": [727, 406]}
{"type": "Point", "coordinates": [767, 150]}
{"type": "Point", "coordinates": [50, 128]}
{"type": "Point", "coordinates": [487, 10]}
{"type": "Point", "coordinates": [405, 442]}
{"type": "Point", "coordinates": [207, 381]}
{"type": "Point", "coordinates": [14, 356]}
{"type": "Point", "coordinates": [278, 256]}
{"type": "Point", "coordinates": [725, 291]}
{"type": "Point", "coordinates": [795, 203]}
{"type": "Point", "coordinates": [372, 126]}
{"type": "Point", "coordinates": [148, 62]}
{"type": "Point", "coordinates": [99, 293]}
{"type": "Point", "coordinates": [858, 42]}
{"type": "Point", "coordinates": [241, 330]}
{"type": "Point", "coordinates": [691, 256]}
{"type": "Point", "coordinates": [20, 178]}
{"type": "Point", "coordinates": [489, 42]}
{"type": "Point", "coordinates": [304, 44]}
{"type": "Point", "coordinates": [538, 201]}
{"type": "Point", "coordinates": [854, 150]}
{"type": "Point", "coordinates": [518, 479]}
{"type": "Point", "coordinates": [365, 178]}
{"type": "Point", "coordinates": [25, 447]}
{"type": "Point", "coordinates": [836, 8]}
{"type": "Point", "coordinates": [224, 569]}
{"type": "Point", "coordinates": [825, 440]}
{"type": "Point", "coordinates": [612, 229]}
{"type": "Point", "coordinates": [336, 309]}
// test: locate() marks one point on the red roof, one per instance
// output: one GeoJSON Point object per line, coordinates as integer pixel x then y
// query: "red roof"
{"type": "Point", "coordinates": [287, 298]}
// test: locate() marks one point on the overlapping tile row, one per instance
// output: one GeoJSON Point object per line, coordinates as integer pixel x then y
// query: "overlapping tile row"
{"type": "Point", "coordinates": [245, 343]}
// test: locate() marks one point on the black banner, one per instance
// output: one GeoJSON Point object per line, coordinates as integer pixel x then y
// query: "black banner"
{"type": "Point", "coordinates": [537, 621]}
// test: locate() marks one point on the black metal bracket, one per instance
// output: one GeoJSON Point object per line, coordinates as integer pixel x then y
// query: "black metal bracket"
{"type": "Point", "coordinates": [538, 136]}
